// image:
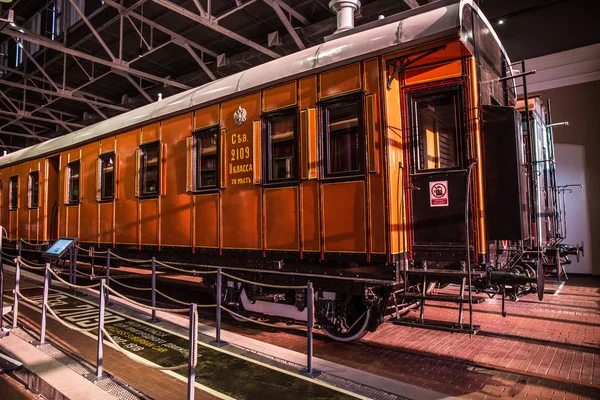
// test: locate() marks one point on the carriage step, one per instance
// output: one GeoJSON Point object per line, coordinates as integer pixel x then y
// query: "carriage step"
{"type": "Point", "coordinates": [445, 272]}
{"type": "Point", "coordinates": [447, 299]}
{"type": "Point", "coordinates": [438, 325]}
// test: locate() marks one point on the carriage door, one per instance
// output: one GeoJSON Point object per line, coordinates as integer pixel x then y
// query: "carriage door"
{"type": "Point", "coordinates": [437, 184]}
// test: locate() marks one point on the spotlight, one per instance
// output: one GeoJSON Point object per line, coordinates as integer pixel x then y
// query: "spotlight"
{"type": "Point", "coordinates": [501, 22]}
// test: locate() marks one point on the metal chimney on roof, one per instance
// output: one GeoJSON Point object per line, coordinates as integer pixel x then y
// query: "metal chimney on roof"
{"type": "Point", "coordinates": [345, 10]}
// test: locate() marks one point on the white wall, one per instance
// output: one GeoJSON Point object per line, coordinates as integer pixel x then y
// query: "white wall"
{"type": "Point", "coordinates": [570, 169]}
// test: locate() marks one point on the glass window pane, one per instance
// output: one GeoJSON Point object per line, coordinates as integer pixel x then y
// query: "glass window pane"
{"type": "Point", "coordinates": [282, 164]}
{"type": "Point", "coordinates": [74, 183]}
{"type": "Point", "coordinates": [150, 161]}
{"type": "Point", "coordinates": [343, 138]}
{"type": "Point", "coordinates": [206, 160]}
{"type": "Point", "coordinates": [437, 132]}
{"type": "Point", "coordinates": [34, 189]}
{"type": "Point", "coordinates": [107, 177]}
{"type": "Point", "coordinates": [14, 192]}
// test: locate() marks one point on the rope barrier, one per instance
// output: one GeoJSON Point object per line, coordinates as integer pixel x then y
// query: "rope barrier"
{"type": "Point", "coordinates": [182, 302]}
{"type": "Point", "coordinates": [35, 303]}
{"type": "Point", "coordinates": [140, 360]}
{"type": "Point", "coordinates": [33, 244]}
{"type": "Point", "coordinates": [187, 271]}
{"type": "Point", "coordinates": [131, 260]}
{"type": "Point", "coordinates": [27, 265]}
{"type": "Point", "coordinates": [260, 322]}
{"type": "Point", "coordinates": [70, 284]}
{"type": "Point", "coordinates": [195, 340]}
{"type": "Point", "coordinates": [127, 286]}
{"type": "Point", "coordinates": [84, 274]}
{"type": "Point", "coordinates": [176, 310]}
{"type": "Point", "coordinates": [263, 284]}
{"type": "Point", "coordinates": [82, 249]}
{"type": "Point", "coordinates": [68, 325]}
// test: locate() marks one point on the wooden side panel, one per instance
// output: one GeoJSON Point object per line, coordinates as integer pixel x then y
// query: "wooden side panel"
{"type": "Point", "coordinates": [341, 80]}
{"type": "Point", "coordinates": [206, 220]}
{"type": "Point", "coordinates": [375, 140]}
{"type": "Point", "coordinates": [89, 209]}
{"type": "Point", "coordinates": [207, 116]}
{"type": "Point", "coordinates": [23, 221]}
{"type": "Point", "coordinates": [13, 224]}
{"type": "Point", "coordinates": [433, 72]}
{"type": "Point", "coordinates": [344, 213]}
{"type": "Point", "coordinates": [307, 92]}
{"type": "Point", "coordinates": [176, 215]}
{"type": "Point", "coordinates": [149, 222]}
{"type": "Point", "coordinates": [3, 198]}
{"type": "Point", "coordinates": [151, 132]}
{"type": "Point", "coordinates": [126, 212]}
{"type": "Point", "coordinates": [281, 217]}
{"type": "Point", "coordinates": [107, 145]}
{"type": "Point", "coordinates": [280, 96]}
{"type": "Point", "coordinates": [36, 214]}
{"type": "Point", "coordinates": [241, 200]}
{"type": "Point", "coordinates": [106, 222]}
{"type": "Point", "coordinates": [394, 143]}
{"type": "Point", "coordinates": [310, 216]}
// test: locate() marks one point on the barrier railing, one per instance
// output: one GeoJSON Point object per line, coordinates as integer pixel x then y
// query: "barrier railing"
{"type": "Point", "coordinates": [192, 360]}
{"type": "Point", "coordinates": [106, 290]}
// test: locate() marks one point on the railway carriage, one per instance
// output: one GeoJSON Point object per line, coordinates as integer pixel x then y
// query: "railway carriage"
{"type": "Point", "coordinates": [379, 163]}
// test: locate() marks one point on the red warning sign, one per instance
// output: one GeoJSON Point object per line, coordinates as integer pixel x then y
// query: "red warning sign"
{"type": "Point", "coordinates": [438, 194]}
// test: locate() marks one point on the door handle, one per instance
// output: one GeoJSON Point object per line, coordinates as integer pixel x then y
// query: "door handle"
{"type": "Point", "coordinates": [413, 187]}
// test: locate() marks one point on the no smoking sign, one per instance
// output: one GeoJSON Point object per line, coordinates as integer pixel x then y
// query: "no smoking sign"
{"type": "Point", "coordinates": [438, 194]}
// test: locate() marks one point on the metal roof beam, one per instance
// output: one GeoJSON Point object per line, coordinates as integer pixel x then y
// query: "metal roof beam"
{"type": "Point", "coordinates": [233, 10]}
{"type": "Point", "coordinates": [58, 121]}
{"type": "Point", "coordinates": [412, 3]}
{"type": "Point", "coordinates": [216, 27]}
{"type": "Point", "coordinates": [25, 135]}
{"type": "Point", "coordinates": [199, 61]}
{"type": "Point", "coordinates": [29, 131]}
{"type": "Point", "coordinates": [59, 47]}
{"type": "Point", "coordinates": [39, 67]}
{"type": "Point", "coordinates": [288, 25]}
{"type": "Point", "coordinates": [94, 32]}
{"type": "Point", "coordinates": [292, 12]}
{"type": "Point", "coordinates": [63, 95]}
{"type": "Point", "coordinates": [27, 115]}
{"type": "Point", "coordinates": [138, 87]}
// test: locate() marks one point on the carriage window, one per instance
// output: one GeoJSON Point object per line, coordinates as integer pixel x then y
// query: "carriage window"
{"type": "Point", "coordinates": [149, 168]}
{"type": "Point", "coordinates": [207, 158]}
{"type": "Point", "coordinates": [107, 177]}
{"type": "Point", "coordinates": [13, 193]}
{"type": "Point", "coordinates": [343, 137]}
{"type": "Point", "coordinates": [34, 179]}
{"type": "Point", "coordinates": [437, 125]}
{"type": "Point", "coordinates": [281, 138]}
{"type": "Point", "coordinates": [73, 182]}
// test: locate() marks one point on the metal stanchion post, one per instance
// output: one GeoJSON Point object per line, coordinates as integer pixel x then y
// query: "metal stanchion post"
{"type": "Point", "coordinates": [2, 332]}
{"type": "Point", "coordinates": [100, 329]}
{"type": "Point", "coordinates": [107, 273]}
{"type": "Point", "coordinates": [219, 296]}
{"type": "Point", "coordinates": [92, 259]}
{"type": "Point", "coordinates": [310, 322]}
{"type": "Point", "coordinates": [44, 304]}
{"type": "Point", "coordinates": [153, 289]}
{"type": "Point", "coordinates": [71, 266]}
{"type": "Point", "coordinates": [16, 298]}
{"type": "Point", "coordinates": [19, 247]}
{"type": "Point", "coordinates": [192, 353]}
{"type": "Point", "coordinates": [74, 265]}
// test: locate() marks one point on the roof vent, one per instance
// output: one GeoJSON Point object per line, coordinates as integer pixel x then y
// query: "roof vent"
{"type": "Point", "coordinates": [345, 10]}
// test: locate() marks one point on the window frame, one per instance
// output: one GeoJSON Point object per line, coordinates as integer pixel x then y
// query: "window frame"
{"type": "Point", "coordinates": [13, 206]}
{"type": "Point", "coordinates": [69, 199]}
{"type": "Point", "coordinates": [101, 198]}
{"type": "Point", "coordinates": [30, 204]}
{"type": "Point", "coordinates": [457, 89]}
{"type": "Point", "coordinates": [325, 135]}
{"type": "Point", "coordinates": [141, 175]}
{"type": "Point", "coordinates": [267, 118]}
{"type": "Point", "coordinates": [197, 135]}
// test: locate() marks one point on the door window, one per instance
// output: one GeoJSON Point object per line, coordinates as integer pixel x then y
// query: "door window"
{"type": "Point", "coordinates": [437, 124]}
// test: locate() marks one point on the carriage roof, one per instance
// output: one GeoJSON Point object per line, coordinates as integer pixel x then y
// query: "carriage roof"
{"type": "Point", "coordinates": [431, 22]}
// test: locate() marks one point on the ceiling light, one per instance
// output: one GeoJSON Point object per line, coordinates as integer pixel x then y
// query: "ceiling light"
{"type": "Point", "coordinates": [21, 30]}
{"type": "Point", "coordinates": [13, 24]}
{"type": "Point", "coordinates": [500, 22]}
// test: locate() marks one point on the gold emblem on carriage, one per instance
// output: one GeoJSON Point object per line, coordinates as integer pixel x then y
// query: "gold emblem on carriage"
{"type": "Point", "coordinates": [239, 116]}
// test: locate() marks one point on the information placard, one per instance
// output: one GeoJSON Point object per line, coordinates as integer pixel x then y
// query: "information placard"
{"type": "Point", "coordinates": [60, 247]}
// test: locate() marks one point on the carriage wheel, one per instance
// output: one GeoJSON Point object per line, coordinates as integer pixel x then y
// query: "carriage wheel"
{"type": "Point", "coordinates": [355, 321]}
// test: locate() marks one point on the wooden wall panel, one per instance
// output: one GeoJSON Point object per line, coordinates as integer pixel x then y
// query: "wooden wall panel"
{"type": "Point", "coordinates": [281, 219]}
{"type": "Point", "coordinates": [344, 213]}
{"type": "Point", "coordinates": [176, 215]}
{"type": "Point", "coordinates": [149, 222]}
{"type": "Point", "coordinates": [207, 116]}
{"type": "Point", "coordinates": [151, 132]}
{"type": "Point", "coordinates": [307, 92]}
{"type": "Point", "coordinates": [241, 199]}
{"type": "Point", "coordinates": [311, 235]}
{"type": "Point", "coordinates": [23, 220]}
{"type": "Point", "coordinates": [107, 145]}
{"type": "Point", "coordinates": [72, 217]}
{"type": "Point", "coordinates": [433, 72]}
{"type": "Point", "coordinates": [280, 96]}
{"type": "Point", "coordinates": [13, 224]}
{"type": "Point", "coordinates": [4, 198]}
{"type": "Point", "coordinates": [106, 222]}
{"type": "Point", "coordinates": [89, 207]}
{"type": "Point", "coordinates": [126, 212]}
{"type": "Point", "coordinates": [340, 80]}
{"type": "Point", "coordinates": [206, 222]}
